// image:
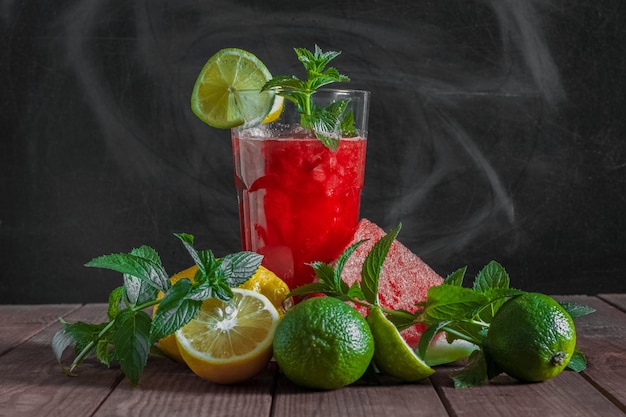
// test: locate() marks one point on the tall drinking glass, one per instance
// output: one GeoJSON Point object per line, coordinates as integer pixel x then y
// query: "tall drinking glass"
{"type": "Point", "coordinates": [299, 200]}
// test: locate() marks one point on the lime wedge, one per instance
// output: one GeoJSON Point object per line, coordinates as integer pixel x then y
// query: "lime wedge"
{"type": "Point", "coordinates": [392, 355]}
{"type": "Point", "coordinates": [228, 93]}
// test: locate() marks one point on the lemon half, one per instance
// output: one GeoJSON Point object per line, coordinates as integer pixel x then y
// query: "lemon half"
{"type": "Point", "coordinates": [230, 342]}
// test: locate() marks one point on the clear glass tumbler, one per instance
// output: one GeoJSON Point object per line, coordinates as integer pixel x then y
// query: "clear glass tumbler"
{"type": "Point", "coordinates": [299, 200]}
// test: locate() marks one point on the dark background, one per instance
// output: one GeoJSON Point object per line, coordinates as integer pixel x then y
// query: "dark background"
{"type": "Point", "coordinates": [496, 132]}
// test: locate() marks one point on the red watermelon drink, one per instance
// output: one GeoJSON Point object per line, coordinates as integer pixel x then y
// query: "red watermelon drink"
{"type": "Point", "coordinates": [298, 197]}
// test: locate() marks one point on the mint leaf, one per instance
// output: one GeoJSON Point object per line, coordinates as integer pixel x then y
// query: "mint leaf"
{"type": "Point", "coordinates": [370, 272]}
{"type": "Point", "coordinates": [576, 310]}
{"type": "Point", "coordinates": [203, 291]}
{"type": "Point", "coordinates": [200, 259]}
{"type": "Point", "coordinates": [326, 123]}
{"type": "Point", "coordinates": [354, 292]}
{"type": "Point", "coordinates": [145, 269]}
{"type": "Point", "coordinates": [341, 263]}
{"type": "Point", "coordinates": [347, 126]}
{"type": "Point", "coordinates": [496, 297]}
{"type": "Point", "coordinates": [578, 362]}
{"type": "Point", "coordinates": [473, 374]}
{"type": "Point", "coordinates": [238, 267]}
{"type": "Point", "coordinates": [175, 310]}
{"type": "Point", "coordinates": [326, 274]}
{"type": "Point", "coordinates": [60, 342]}
{"type": "Point", "coordinates": [315, 62]}
{"type": "Point", "coordinates": [493, 275]}
{"type": "Point", "coordinates": [115, 301]}
{"type": "Point", "coordinates": [131, 337]}
{"type": "Point", "coordinates": [139, 291]}
{"type": "Point", "coordinates": [449, 302]}
{"type": "Point", "coordinates": [456, 278]}
{"type": "Point", "coordinates": [105, 352]}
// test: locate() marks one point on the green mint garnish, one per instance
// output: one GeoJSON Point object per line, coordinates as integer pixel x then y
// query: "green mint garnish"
{"type": "Point", "coordinates": [129, 334]}
{"type": "Point", "coordinates": [327, 123]}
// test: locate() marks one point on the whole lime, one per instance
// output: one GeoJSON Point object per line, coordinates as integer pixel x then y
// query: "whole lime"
{"type": "Point", "coordinates": [323, 343]}
{"type": "Point", "coordinates": [531, 337]}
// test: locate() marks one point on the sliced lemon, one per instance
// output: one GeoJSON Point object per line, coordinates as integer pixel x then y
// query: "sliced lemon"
{"type": "Point", "coordinates": [392, 355]}
{"type": "Point", "coordinates": [277, 109]}
{"type": "Point", "coordinates": [227, 92]}
{"type": "Point", "coordinates": [263, 281]}
{"type": "Point", "coordinates": [230, 342]}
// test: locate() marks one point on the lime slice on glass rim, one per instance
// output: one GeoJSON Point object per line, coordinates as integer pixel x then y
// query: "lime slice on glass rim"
{"type": "Point", "coordinates": [228, 93]}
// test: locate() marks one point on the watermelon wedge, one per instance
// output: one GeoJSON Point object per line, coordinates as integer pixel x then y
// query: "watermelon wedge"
{"type": "Point", "coordinates": [404, 278]}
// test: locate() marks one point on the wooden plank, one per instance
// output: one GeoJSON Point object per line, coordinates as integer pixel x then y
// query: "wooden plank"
{"type": "Point", "coordinates": [568, 395]}
{"type": "Point", "coordinates": [388, 400]}
{"type": "Point", "coordinates": [32, 383]}
{"type": "Point", "coordinates": [618, 300]}
{"type": "Point", "coordinates": [602, 337]}
{"type": "Point", "coordinates": [170, 389]}
{"type": "Point", "coordinates": [20, 322]}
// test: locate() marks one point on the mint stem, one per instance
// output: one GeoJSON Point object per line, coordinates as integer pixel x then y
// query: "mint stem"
{"type": "Point", "coordinates": [387, 311]}
{"type": "Point", "coordinates": [92, 344]}
{"type": "Point", "coordinates": [463, 336]}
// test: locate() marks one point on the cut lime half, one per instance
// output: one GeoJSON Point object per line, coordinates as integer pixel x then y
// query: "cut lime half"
{"type": "Point", "coordinates": [228, 93]}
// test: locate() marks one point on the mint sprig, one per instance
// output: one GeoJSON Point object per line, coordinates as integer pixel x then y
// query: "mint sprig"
{"type": "Point", "coordinates": [130, 333]}
{"type": "Point", "coordinates": [461, 313]}
{"type": "Point", "coordinates": [327, 123]}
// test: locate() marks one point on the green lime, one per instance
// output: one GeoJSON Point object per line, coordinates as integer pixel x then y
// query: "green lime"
{"type": "Point", "coordinates": [531, 337]}
{"type": "Point", "coordinates": [228, 93]}
{"type": "Point", "coordinates": [392, 355]}
{"type": "Point", "coordinates": [323, 343]}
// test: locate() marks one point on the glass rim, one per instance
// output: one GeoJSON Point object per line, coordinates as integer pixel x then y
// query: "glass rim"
{"type": "Point", "coordinates": [328, 90]}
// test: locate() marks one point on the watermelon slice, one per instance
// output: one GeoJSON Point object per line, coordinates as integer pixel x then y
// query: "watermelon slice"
{"type": "Point", "coordinates": [404, 278]}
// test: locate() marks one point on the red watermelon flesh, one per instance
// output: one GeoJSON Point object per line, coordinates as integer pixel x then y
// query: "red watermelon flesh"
{"type": "Point", "coordinates": [404, 278]}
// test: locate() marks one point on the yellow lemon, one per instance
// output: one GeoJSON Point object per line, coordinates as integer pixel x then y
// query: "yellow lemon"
{"type": "Point", "coordinates": [230, 342]}
{"type": "Point", "coordinates": [263, 281]}
{"type": "Point", "coordinates": [277, 109]}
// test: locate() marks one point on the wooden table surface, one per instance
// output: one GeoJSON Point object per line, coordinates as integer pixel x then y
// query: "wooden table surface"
{"type": "Point", "coordinates": [32, 383]}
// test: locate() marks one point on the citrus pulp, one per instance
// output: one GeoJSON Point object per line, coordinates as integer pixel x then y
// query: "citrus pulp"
{"type": "Point", "coordinates": [229, 342]}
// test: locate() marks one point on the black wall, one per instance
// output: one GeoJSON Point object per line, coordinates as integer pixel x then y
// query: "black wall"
{"type": "Point", "coordinates": [497, 132]}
